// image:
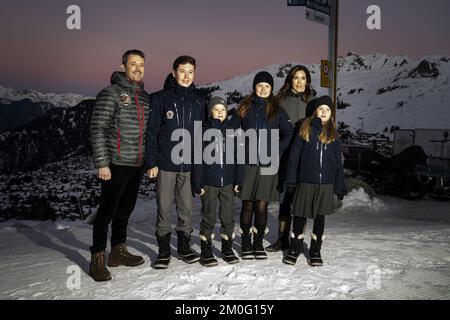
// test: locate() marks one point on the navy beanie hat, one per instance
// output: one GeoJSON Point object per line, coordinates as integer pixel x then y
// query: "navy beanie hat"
{"type": "Point", "coordinates": [263, 76]}
{"type": "Point", "coordinates": [314, 104]}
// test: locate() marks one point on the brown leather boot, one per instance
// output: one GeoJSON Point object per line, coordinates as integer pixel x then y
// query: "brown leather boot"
{"type": "Point", "coordinates": [119, 256]}
{"type": "Point", "coordinates": [97, 268]}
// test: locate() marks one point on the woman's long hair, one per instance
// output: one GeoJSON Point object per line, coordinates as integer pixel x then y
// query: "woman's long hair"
{"type": "Point", "coordinates": [271, 108]}
{"type": "Point", "coordinates": [286, 89]}
{"type": "Point", "coordinates": [329, 132]}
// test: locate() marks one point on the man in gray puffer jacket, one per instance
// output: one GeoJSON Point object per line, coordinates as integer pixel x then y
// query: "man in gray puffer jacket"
{"type": "Point", "coordinates": [117, 132]}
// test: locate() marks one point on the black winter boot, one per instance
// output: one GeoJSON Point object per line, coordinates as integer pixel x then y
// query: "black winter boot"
{"type": "Point", "coordinates": [296, 248]}
{"type": "Point", "coordinates": [258, 248]}
{"type": "Point", "coordinates": [227, 249]}
{"type": "Point", "coordinates": [185, 252]}
{"type": "Point", "coordinates": [315, 260]}
{"type": "Point", "coordinates": [282, 243]}
{"type": "Point", "coordinates": [163, 259]}
{"type": "Point", "coordinates": [206, 257]}
{"type": "Point", "coordinates": [246, 247]}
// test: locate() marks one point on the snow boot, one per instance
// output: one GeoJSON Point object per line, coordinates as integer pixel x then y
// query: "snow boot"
{"type": "Point", "coordinates": [163, 259]}
{"type": "Point", "coordinates": [315, 259]}
{"type": "Point", "coordinates": [258, 248]}
{"type": "Point", "coordinates": [185, 252]}
{"type": "Point", "coordinates": [246, 246]}
{"type": "Point", "coordinates": [206, 256]}
{"type": "Point", "coordinates": [120, 256]}
{"type": "Point", "coordinates": [227, 249]}
{"type": "Point", "coordinates": [282, 243]}
{"type": "Point", "coordinates": [295, 249]}
{"type": "Point", "coordinates": [97, 268]}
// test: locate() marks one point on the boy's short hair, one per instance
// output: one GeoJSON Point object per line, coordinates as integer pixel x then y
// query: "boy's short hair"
{"type": "Point", "coordinates": [183, 60]}
{"type": "Point", "coordinates": [130, 52]}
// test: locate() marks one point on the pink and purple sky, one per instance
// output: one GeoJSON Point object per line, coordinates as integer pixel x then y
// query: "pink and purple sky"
{"type": "Point", "coordinates": [227, 37]}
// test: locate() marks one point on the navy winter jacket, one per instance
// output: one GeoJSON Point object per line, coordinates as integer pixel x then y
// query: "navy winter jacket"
{"type": "Point", "coordinates": [175, 107]}
{"type": "Point", "coordinates": [316, 163]}
{"type": "Point", "coordinates": [256, 119]}
{"type": "Point", "coordinates": [220, 174]}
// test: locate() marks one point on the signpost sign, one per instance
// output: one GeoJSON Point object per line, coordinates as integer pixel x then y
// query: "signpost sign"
{"type": "Point", "coordinates": [297, 2]}
{"type": "Point", "coordinates": [325, 68]}
{"type": "Point", "coordinates": [319, 5]}
{"type": "Point", "coordinates": [317, 16]}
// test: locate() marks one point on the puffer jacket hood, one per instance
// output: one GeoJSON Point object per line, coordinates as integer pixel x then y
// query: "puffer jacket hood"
{"type": "Point", "coordinates": [171, 83]}
{"type": "Point", "coordinates": [120, 78]}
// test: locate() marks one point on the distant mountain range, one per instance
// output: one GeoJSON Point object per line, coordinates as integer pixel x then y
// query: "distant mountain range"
{"type": "Point", "coordinates": [19, 107]}
{"type": "Point", "coordinates": [375, 92]}
{"type": "Point", "coordinates": [59, 134]}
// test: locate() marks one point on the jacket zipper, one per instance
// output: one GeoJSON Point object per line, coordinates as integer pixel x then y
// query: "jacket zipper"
{"type": "Point", "coordinates": [118, 141]}
{"type": "Point", "coordinates": [141, 120]}
{"type": "Point", "coordinates": [221, 159]}
{"type": "Point", "coordinates": [321, 155]}
{"type": "Point", "coordinates": [183, 107]}
{"type": "Point", "coordinates": [259, 137]}
{"type": "Point", "coordinates": [176, 109]}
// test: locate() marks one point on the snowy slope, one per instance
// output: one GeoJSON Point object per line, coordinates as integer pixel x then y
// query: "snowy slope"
{"type": "Point", "coordinates": [381, 90]}
{"type": "Point", "coordinates": [384, 248]}
{"type": "Point", "coordinates": [9, 95]}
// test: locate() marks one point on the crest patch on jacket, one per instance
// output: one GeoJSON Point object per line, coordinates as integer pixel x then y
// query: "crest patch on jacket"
{"type": "Point", "coordinates": [169, 114]}
{"type": "Point", "coordinates": [125, 99]}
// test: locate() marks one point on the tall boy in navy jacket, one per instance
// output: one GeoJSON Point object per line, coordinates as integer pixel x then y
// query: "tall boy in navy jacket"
{"type": "Point", "coordinates": [175, 107]}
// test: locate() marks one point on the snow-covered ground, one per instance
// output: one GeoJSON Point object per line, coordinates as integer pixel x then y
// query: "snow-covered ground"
{"type": "Point", "coordinates": [386, 248]}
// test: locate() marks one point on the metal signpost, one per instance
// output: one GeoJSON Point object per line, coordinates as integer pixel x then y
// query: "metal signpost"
{"type": "Point", "coordinates": [325, 12]}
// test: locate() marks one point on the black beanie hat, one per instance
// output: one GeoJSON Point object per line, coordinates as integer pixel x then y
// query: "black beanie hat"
{"type": "Point", "coordinates": [263, 76]}
{"type": "Point", "coordinates": [314, 104]}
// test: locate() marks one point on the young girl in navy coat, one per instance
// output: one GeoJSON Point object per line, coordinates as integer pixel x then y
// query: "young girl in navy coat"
{"type": "Point", "coordinates": [260, 113]}
{"type": "Point", "coordinates": [315, 169]}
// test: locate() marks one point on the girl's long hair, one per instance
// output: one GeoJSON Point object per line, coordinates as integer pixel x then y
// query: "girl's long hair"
{"type": "Point", "coordinates": [329, 132]}
{"type": "Point", "coordinates": [271, 108]}
{"type": "Point", "coordinates": [286, 89]}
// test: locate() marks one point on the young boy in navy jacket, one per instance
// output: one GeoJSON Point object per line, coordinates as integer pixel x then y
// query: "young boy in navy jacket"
{"type": "Point", "coordinates": [315, 169]}
{"type": "Point", "coordinates": [217, 179]}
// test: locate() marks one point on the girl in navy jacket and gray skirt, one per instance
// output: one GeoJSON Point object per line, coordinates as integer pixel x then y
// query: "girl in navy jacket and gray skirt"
{"type": "Point", "coordinates": [266, 119]}
{"type": "Point", "coordinates": [315, 169]}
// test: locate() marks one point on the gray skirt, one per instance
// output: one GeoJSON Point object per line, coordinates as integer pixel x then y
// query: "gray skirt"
{"type": "Point", "coordinates": [259, 187]}
{"type": "Point", "coordinates": [311, 200]}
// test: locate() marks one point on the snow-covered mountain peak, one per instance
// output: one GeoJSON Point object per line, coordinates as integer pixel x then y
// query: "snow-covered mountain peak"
{"type": "Point", "coordinates": [375, 91]}
{"type": "Point", "coordinates": [8, 95]}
